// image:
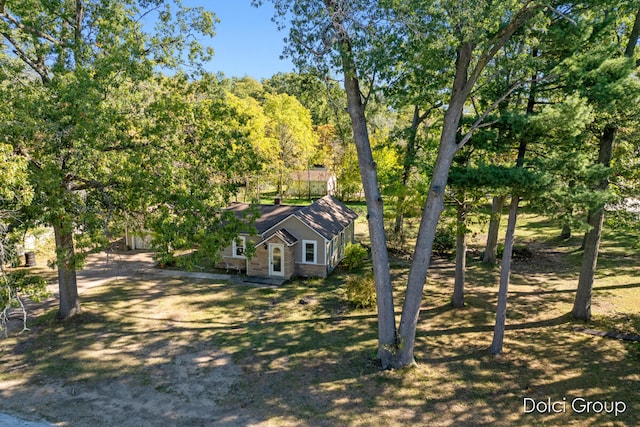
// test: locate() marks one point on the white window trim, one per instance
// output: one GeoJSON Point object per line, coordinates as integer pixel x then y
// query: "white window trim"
{"type": "Point", "coordinates": [234, 247]}
{"type": "Point", "coordinates": [304, 251]}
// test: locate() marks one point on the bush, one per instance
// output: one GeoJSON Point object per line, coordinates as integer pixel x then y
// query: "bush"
{"type": "Point", "coordinates": [165, 259]}
{"type": "Point", "coordinates": [445, 241]}
{"type": "Point", "coordinates": [520, 252]}
{"type": "Point", "coordinates": [361, 290]}
{"type": "Point", "coordinates": [355, 256]}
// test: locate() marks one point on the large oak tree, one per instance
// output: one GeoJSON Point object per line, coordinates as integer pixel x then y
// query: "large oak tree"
{"type": "Point", "coordinates": [74, 69]}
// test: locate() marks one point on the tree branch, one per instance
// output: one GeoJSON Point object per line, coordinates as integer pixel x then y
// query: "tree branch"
{"type": "Point", "coordinates": [28, 29]}
{"type": "Point", "coordinates": [37, 65]}
{"type": "Point", "coordinates": [86, 184]}
{"type": "Point", "coordinates": [633, 37]}
{"type": "Point", "coordinates": [77, 32]}
{"type": "Point", "coordinates": [484, 115]}
{"type": "Point", "coordinates": [501, 39]}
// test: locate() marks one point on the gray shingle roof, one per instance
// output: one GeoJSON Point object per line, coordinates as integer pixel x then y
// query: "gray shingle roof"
{"type": "Point", "coordinates": [270, 215]}
{"type": "Point", "coordinates": [327, 216]}
{"type": "Point", "coordinates": [285, 236]}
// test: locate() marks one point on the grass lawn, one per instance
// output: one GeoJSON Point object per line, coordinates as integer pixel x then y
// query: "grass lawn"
{"type": "Point", "coordinates": [299, 355]}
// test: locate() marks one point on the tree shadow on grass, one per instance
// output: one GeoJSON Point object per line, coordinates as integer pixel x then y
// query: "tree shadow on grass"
{"type": "Point", "coordinates": [313, 364]}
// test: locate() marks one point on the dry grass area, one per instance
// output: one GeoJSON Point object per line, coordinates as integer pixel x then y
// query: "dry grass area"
{"type": "Point", "coordinates": [151, 351]}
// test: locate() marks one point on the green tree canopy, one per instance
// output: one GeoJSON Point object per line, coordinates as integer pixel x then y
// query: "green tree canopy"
{"type": "Point", "coordinates": [74, 70]}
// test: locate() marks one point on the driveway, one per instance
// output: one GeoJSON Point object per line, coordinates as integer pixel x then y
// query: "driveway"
{"type": "Point", "coordinates": [103, 267]}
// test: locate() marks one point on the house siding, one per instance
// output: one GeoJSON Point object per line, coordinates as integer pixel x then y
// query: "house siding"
{"type": "Point", "coordinates": [229, 262]}
{"type": "Point", "coordinates": [139, 240]}
{"type": "Point", "coordinates": [302, 232]}
{"type": "Point", "coordinates": [308, 188]}
{"type": "Point", "coordinates": [313, 182]}
{"type": "Point", "coordinates": [289, 261]}
{"type": "Point", "coordinates": [258, 265]}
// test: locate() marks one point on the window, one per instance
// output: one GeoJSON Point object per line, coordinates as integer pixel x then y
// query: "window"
{"type": "Point", "coordinates": [309, 255]}
{"type": "Point", "coordinates": [276, 259]}
{"type": "Point", "coordinates": [239, 246]}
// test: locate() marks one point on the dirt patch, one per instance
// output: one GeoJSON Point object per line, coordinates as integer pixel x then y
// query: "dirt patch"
{"type": "Point", "coordinates": [185, 391]}
{"type": "Point", "coordinates": [180, 385]}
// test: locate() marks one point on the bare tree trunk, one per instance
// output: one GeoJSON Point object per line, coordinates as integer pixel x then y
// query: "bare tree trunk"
{"type": "Point", "coordinates": [368, 173]}
{"type": "Point", "coordinates": [505, 268]}
{"type": "Point", "coordinates": [464, 81]}
{"type": "Point", "coordinates": [432, 210]}
{"type": "Point", "coordinates": [582, 304]}
{"type": "Point", "coordinates": [67, 282]}
{"type": "Point", "coordinates": [491, 250]}
{"type": "Point", "coordinates": [375, 216]}
{"type": "Point", "coordinates": [505, 272]}
{"type": "Point", "coordinates": [461, 255]}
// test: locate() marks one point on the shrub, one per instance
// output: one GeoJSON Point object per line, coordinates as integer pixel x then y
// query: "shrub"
{"type": "Point", "coordinates": [361, 290]}
{"type": "Point", "coordinates": [355, 256]}
{"type": "Point", "coordinates": [445, 241]}
{"type": "Point", "coordinates": [520, 252]}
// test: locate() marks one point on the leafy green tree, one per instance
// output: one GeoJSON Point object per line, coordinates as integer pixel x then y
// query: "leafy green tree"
{"type": "Point", "coordinates": [205, 152]}
{"type": "Point", "coordinates": [318, 95]}
{"type": "Point", "coordinates": [289, 124]}
{"type": "Point", "coordinates": [82, 63]}
{"type": "Point", "coordinates": [349, 36]}
{"type": "Point", "coordinates": [246, 87]}
{"type": "Point", "coordinates": [608, 81]}
{"type": "Point", "coordinates": [15, 193]}
{"type": "Point", "coordinates": [255, 123]}
{"type": "Point", "coordinates": [553, 125]}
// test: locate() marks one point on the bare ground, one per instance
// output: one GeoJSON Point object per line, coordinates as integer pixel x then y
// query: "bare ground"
{"type": "Point", "coordinates": [184, 390]}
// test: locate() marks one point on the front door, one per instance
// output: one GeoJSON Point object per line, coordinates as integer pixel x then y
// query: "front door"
{"type": "Point", "coordinates": [276, 259]}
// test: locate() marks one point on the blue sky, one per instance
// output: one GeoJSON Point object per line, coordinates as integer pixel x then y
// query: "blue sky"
{"type": "Point", "coordinates": [246, 41]}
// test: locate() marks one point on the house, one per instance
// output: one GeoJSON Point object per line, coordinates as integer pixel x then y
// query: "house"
{"type": "Point", "coordinates": [306, 241]}
{"type": "Point", "coordinates": [314, 182]}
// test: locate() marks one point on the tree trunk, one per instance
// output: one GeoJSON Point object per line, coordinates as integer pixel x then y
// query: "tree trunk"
{"type": "Point", "coordinates": [582, 304]}
{"type": "Point", "coordinates": [491, 250]}
{"type": "Point", "coordinates": [368, 174]}
{"type": "Point", "coordinates": [505, 268]}
{"type": "Point", "coordinates": [464, 81]}
{"type": "Point", "coordinates": [67, 282]}
{"type": "Point", "coordinates": [432, 210]}
{"type": "Point", "coordinates": [505, 272]}
{"type": "Point", "coordinates": [565, 233]}
{"type": "Point", "coordinates": [375, 217]}
{"type": "Point", "coordinates": [461, 255]}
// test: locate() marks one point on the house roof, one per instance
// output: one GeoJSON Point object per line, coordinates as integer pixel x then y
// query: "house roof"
{"type": "Point", "coordinates": [285, 236]}
{"type": "Point", "coordinates": [327, 216]}
{"type": "Point", "coordinates": [270, 215]}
